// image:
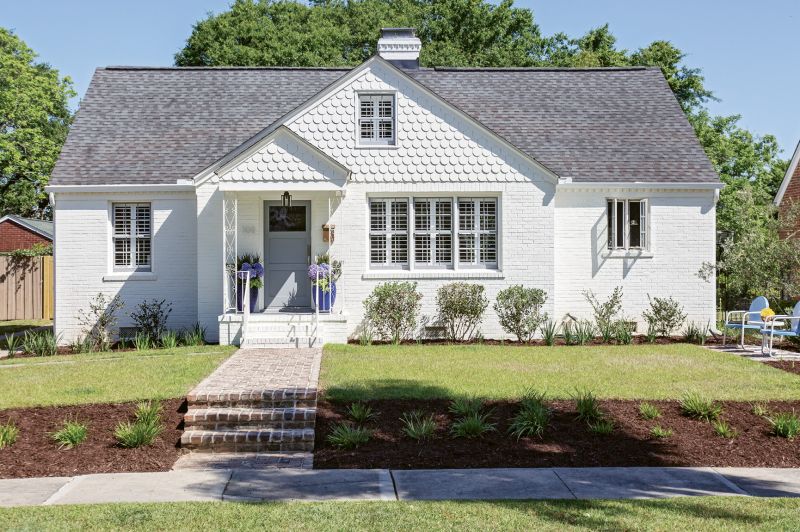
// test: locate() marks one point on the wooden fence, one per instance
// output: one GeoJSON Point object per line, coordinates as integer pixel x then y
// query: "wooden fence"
{"type": "Point", "coordinates": [26, 288]}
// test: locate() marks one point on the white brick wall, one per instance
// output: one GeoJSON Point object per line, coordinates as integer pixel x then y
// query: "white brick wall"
{"type": "Point", "coordinates": [83, 258]}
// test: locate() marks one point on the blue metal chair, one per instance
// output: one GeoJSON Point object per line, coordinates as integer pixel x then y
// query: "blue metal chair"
{"type": "Point", "coordinates": [790, 322]}
{"type": "Point", "coordinates": [745, 319]}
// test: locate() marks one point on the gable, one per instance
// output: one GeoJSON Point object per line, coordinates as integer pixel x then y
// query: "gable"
{"type": "Point", "coordinates": [434, 141]}
{"type": "Point", "coordinates": [283, 158]}
{"type": "Point", "coordinates": [790, 186]}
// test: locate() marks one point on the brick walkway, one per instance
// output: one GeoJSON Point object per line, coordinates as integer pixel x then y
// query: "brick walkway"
{"type": "Point", "coordinates": [256, 411]}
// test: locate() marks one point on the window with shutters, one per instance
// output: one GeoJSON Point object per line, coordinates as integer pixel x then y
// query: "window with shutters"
{"type": "Point", "coordinates": [132, 239]}
{"type": "Point", "coordinates": [430, 233]}
{"type": "Point", "coordinates": [626, 224]}
{"type": "Point", "coordinates": [376, 119]}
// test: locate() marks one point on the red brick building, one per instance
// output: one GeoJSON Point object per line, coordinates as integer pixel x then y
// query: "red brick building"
{"type": "Point", "coordinates": [22, 233]}
{"type": "Point", "coordinates": [789, 192]}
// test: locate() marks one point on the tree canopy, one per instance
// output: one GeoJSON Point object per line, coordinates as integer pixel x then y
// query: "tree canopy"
{"type": "Point", "coordinates": [34, 119]}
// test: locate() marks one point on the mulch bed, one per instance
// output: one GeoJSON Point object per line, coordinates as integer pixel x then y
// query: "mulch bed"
{"type": "Point", "coordinates": [35, 454]}
{"type": "Point", "coordinates": [566, 443]}
{"type": "Point", "coordinates": [792, 366]}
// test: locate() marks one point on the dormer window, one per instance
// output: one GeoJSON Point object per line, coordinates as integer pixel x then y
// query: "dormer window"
{"type": "Point", "coordinates": [376, 119]}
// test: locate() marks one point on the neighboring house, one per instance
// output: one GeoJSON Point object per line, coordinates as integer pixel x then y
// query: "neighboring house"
{"type": "Point", "coordinates": [17, 232]}
{"type": "Point", "coordinates": [562, 179]}
{"type": "Point", "coordinates": [789, 191]}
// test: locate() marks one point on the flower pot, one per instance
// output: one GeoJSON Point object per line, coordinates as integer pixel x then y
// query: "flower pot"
{"type": "Point", "coordinates": [240, 296]}
{"type": "Point", "coordinates": [322, 299]}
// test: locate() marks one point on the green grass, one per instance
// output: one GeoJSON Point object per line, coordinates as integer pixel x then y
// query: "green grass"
{"type": "Point", "coordinates": [683, 513]}
{"type": "Point", "coordinates": [354, 372]}
{"type": "Point", "coordinates": [106, 377]}
{"type": "Point", "coordinates": [12, 326]}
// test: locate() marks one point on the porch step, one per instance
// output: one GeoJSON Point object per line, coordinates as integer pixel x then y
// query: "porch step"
{"type": "Point", "coordinates": [248, 441]}
{"type": "Point", "coordinates": [289, 329]}
{"type": "Point", "coordinates": [270, 340]}
{"type": "Point", "coordinates": [237, 419]}
{"type": "Point", "coordinates": [285, 398]}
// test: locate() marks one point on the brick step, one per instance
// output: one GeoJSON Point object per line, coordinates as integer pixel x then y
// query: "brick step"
{"type": "Point", "coordinates": [285, 398]}
{"type": "Point", "coordinates": [248, 441]}
{"type": "Point", "coordinates": [270, 340]}
{"type": "Point", "coordinates": [281, 317]}
{"type": "Point", "coordinates": [249, 418]}
{"type": "Point", "coordinates": [281, 329]}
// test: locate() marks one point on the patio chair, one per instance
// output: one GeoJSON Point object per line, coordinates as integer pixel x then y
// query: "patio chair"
{"type": "Point", "coordinates": [745, 319]}
{"type": "Point", "coordinates": [790, 322]}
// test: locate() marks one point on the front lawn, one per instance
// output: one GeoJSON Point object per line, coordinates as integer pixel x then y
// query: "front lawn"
{"type": "Point", "coordinates": [353, 372]}
{"type": "Point", "coordinates": [687, 513]}
{"type": "Point", "coordinates": [106, 377]}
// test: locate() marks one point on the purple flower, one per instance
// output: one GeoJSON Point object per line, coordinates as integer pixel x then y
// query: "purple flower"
{"type": "Point", "coordinates": [257, 270]}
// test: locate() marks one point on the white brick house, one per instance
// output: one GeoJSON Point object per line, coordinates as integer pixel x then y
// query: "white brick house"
{"type": "Point", "coordinates": [562, 179]}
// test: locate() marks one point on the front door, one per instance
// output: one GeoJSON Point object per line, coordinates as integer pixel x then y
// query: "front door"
{"type": "Point", "coordinates": [288, 245]}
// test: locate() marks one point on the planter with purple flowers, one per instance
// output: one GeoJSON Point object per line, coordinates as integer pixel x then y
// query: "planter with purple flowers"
{"type": "Point", "coordinates": [251, 264]}
{"type": "Point", "coordinates": [323, 276]}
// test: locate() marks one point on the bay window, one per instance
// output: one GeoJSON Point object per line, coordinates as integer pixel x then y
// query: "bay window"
{"type": "Point", "coordinates": [441, 232]}
{"type": "Point", "coordinates": [626, 222]}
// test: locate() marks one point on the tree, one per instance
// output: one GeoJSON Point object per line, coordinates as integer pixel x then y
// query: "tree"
{"type": "Point", "coordinates": [34, 119]}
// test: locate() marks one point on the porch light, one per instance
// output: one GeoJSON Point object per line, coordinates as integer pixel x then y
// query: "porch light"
{"type": "Point", "coordinates": [286, 199]}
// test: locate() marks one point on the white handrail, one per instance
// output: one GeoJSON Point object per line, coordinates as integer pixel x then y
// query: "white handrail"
{"type": "Point", "coordinates": [245, 301]}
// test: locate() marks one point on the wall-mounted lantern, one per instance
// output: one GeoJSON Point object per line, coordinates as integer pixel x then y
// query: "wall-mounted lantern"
{"type": "Point", "coordinates": [286, 199]}
{"type": "Point", "coordinates": [327, 233]}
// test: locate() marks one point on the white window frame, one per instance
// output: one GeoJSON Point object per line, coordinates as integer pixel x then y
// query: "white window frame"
{"type": "Point", "coordinates": [388, 232]}
{"type": "Point", "coordinates": [133, 237]}
{"type": "Point", "coordinates": [375, 119]}
{"type": "Point", "coordinates": [613, 242]}
{"type": "Point", "coordinates": [411, 232]}
{"type": "Point", "coordinates": [432, 232]}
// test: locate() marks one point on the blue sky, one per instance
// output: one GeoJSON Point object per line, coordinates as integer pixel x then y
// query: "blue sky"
{"type": "Point", "coordinates": [747, 50]}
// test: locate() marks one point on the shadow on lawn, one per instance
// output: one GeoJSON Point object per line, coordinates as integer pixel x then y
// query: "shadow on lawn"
{"type": "Point", "coordinates": [386, 389]}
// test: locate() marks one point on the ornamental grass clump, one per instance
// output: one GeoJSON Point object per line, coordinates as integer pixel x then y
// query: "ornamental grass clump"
{"type": "Point", "coordinates": [472, 426]}
{"type": "Point", "coordinates": [649, 411]}
{"type": "Point", "coordinates": [195, 336]}
{"type": "Point", "coordinates": [660, 432]}
{"type": "Point", "coordinates": [460, 309]}
{"type": "Point", "coordinates": [694, 333]}
{"type": "Point", "coordinates": [71, 434]}
{"type": "Point", "coordinates": [169, 340]}
{"type": "Point", "coordinates": [417, 425]}
{"type": "Point", "coordinates": [361, 413]}
{"type": "Point", "coordinates": [723, 429]}
{"type": "Point", "coordinates": [568, 332]}
{"type": "Point", "coordinates": [532, 418]}
{"type": "Point", "coordinates": [145, 428]}
{"type": "Point", "coordinates": [40, 343]}
{"type": "Point", "coordinates": [695, 406]}
{"type": "Point", "coordinates": [602, 426]}
{"type": "Point", "coordinates": [785, 424]}
{"type": "Point", "coordinates": [759, 409]}
{"type": "Point", "coordinates": [465, 406]}
{"type": "Point", "coordinates": [346, 436]}
{"type": "Point", "coordinates": [549, 330]}
{"type": "Point", "coordinates": [142, 342]}
{"type": "Point", "coordinates": [587, 406]}
{"type": "Point", "coordinates": [584, 332]}
{"type": "Point", "coordinates": [12, 344]}
{"type": "Point", "coordinates": [519, 311]}
{"type": "Point", "coordinates": [623, 332]}
{"type": "Point", "coordinates": [8, 434]}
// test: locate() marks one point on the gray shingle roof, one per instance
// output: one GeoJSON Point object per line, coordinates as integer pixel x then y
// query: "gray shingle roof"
{"type": "Point", "coordinates": [158, 125]}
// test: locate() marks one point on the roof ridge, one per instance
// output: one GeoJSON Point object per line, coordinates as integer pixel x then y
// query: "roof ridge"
{"type": "Point", "coordinates": [180, 68]}
{"type": "Point", "coordinates": [545, 69]}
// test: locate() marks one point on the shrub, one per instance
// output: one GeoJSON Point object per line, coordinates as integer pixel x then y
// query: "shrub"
{"type": "Point", "coordinates": [694, 333]}
{"type": "Point", "coordinates": [759, 409]}
{"type": "Point", "coordinates": [346, 436]}
{"type": "Point", "coordinates": [392, 309]}
{"type": "Point", "coordinates": [100, 321]}
{"type": "Point", "coordinates": [664, 315]}
{"type": "Point", "coordinates": [605, 312]}
{"type": "Point", "coordinates": [12, 344]}
{"type": "Point", "coordinates": [584, 332]}
{"type": "Point", "coordinates": [461, 307]}
{"type": "Point", "coordinates": [723, 429]}
{"type": "Point", "coordinates": [623, 332]}
{"type": "Point", "coordinates": [568, 332]}
{"type": "Point", "coordinates": [151, 317]}
{"type": "Point", "coordinates": [660, 432]}
{"type": "Point", "coordinates": [785, 424]}
{"type": "Point", "coordinates": [649, 411]}
{"type": "Point", "coordinates": [194, 336]}
{"type": "Point", "coordinates": [465, 406]}
{"type": "Point", "coordinates": [587, 406]}
{"type": "Point", "coordinates": [602, 426]}
{"type": "Point", "coordinates": [169, 340]}
{"type": "Point", "coordinates": [82, 345]}
{"type": "Point", "coordinates": [549, 330]}
{"type": "Point", "coordinates": [361, 413]}
{"type": "Point", "coordinates": [698, 407]}
{"type": "Point", "coordinates": [418, 426]}
{"type": "Point", "coordinates": [143, 430]}
{"type": "Point", "coordinates": [8, 434]}
{"type": "Point", "coordinates": [40, 343]}
{"type": "Point", "coordinates": [531, 420]}
{"type": "Point", "coordinates": [519, 310]}
{"type": "Point", "coordinates": [71, 434]}
{"type": "Point", "coordinates": [472, 426]}
{"type": "Point", "coordinates": [142, 342]}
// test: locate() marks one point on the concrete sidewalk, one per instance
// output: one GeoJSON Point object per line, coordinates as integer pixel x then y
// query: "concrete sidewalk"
{"type": "Point", "coordinates": [386, 485]}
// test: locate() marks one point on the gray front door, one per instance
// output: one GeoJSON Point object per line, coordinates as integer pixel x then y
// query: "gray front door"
{"type": "Point", "coordinates": [288, 244]}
